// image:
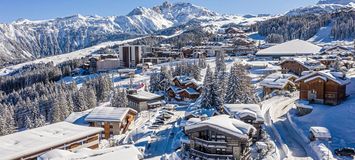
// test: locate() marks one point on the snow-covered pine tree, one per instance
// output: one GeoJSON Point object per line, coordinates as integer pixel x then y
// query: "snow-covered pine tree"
{"type": "Point", "coordinates": [196, 72]}
{"type": "Point", "coordinates": [90, 98]}
{"type": "Point", "coordinates": [79, 101]}
{"type": "Point", "coordinates": [119, 98]}
{"type": "Point", "coordinates": [165, 78]}
{"type": "Point", "coordinates": [7, 122]}
{"type": "Point", "coordinates": [220, 79]}
{"type": "Point", "coordinates": [239, 89]}
{"type": "Point", "coordinates": [209, 96]}
{"type": "Point", "coordinates": [154, 82]}
{"type": "Point", "coordinates": [28, 122]}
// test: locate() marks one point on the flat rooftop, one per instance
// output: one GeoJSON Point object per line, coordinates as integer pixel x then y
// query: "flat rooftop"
{"type": "Point", "coordinates": [28, 142]}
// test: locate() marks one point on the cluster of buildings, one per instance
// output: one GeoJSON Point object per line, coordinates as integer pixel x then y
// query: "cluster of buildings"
{"type": "Point", "coordinates": [318, 73]}
{"type": "Point", "coordinates": [232, 41]}
{"type": "Point", "coordinates": [224, 136]}
{"type": "Point", "coordinates": [184, 88]}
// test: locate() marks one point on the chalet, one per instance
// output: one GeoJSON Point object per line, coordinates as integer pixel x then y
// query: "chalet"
{"type": "Point", "coordinates": [243, 47]}
{"type": "Point", "coordinates": [278, 82]}
{"type": "Point", "coordinates": [142, 100]}
{"type": "Point", "coordinates": [323, 87]}
{"type": "Point", "coordinates": [114, 121]}
{"type": "Point", "coordinates": [184, 88]}
{"type": "Point", "coordinates": [290, 48]}
{"type": "Point", "coordinates": [248, 113]}
{"type": "Point", "coordinates": [219, 137]}
{"type": "Point", "coordinates": [32, 143]}
{"type": "Point", "coordinates": [298, 65]}
{"type": "Point", "coordinates": [337, 51]}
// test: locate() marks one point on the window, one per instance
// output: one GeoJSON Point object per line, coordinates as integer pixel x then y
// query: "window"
{"type": "Point", "coordinates": [331, 95]}
{"type": "Point", "coordinates": [221, 151]}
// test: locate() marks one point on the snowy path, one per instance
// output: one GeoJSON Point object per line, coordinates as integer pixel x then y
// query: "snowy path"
{"type": "Point", "coordinates": [288, 141]}
{"type": "Point", "coordinates": [162, 144]}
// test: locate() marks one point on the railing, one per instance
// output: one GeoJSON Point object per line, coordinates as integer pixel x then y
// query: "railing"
{"type": "Point", "coordinates": [206, 143]}
{"type": "Point", "coordinates": [203, 155]}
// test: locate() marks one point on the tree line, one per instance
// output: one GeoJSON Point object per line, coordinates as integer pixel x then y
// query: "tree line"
{"type": "Point", "coordinates": [42, 103]}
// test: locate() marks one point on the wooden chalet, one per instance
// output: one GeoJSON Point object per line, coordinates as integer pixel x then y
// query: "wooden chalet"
{"type": "Point", "coordinates": [278, 82]}
{"type": "Point", "coordinates": [248, 113]}
{"type": "Point", "coordinates": [184, 88]}
{"type": "Point", "coordinates": [219, 137]}
{"type": "Point", "coordinates": [114, 121]}
{"type": "Point", "coordinates": [142, 100]}
{"type": "Point", "coordinates": [324, 87]}
{"type": "Point", "coordinates": [298, 65]}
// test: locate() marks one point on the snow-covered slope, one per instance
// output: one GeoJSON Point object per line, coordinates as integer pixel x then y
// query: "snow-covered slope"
{"type": "Point", "coordinates": [26, 39]}
{"type": "Point", "coordinates": [323, 6]}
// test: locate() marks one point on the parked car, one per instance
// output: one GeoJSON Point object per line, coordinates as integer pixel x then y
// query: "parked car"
{"type": "Point", "coordinates": [350, 152]}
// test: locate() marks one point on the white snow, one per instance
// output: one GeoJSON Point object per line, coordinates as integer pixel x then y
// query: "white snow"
{"type": "Point", "coordinates": [320, 132]}
{"type": "Point", "coordinates": [145, 95]}
{"type": "Point", "coordinates": [277, 80]}
{"type": "Point", "coordinates": [65, 57]}
{"type": "Point", "coordinates": [242, 110]}
{"type": "Point", "coordinates": [38, 139]}
{"type": "Point", "coordinates": [337, 77]}
{"type": "Point", "coordinates": [124, 152]}
{"type": "Point", "coordinates": [225, 124]}
{"type": "Point", "coordinates": [339, 120]}
{"type": "Point", "coordinates": [110, 114]}
{"type": "Point", "coordinates": [290, 48]}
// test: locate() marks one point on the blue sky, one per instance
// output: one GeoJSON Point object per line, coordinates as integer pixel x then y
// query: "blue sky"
{"type": "Point", "coordinates": [11, 10]}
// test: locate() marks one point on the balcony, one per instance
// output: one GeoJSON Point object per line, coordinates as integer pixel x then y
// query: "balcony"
{"type": "Point", "coordinates": [210, 144]}
{"type": "Point", "coordinates": [203, 155]}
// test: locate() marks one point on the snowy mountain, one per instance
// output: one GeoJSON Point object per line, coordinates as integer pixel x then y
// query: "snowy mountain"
{"type": "Point", "coordinates": [342, 2]}
{"type": "Point", "coordinates": [323, 6]}
{"type": "Point", "coordinates": [25, 39]}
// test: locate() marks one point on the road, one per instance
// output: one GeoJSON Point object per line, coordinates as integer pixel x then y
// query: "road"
{"type": "Point", "coordinates": [288, 141]}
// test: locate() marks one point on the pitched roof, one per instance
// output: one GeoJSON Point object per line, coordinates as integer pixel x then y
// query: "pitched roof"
{"type": "Point", "coordinates": [225, 124]}
{"type": "Point", "coordinates": [242, 110]}
{"type": "Point", "coordinates": [277, 80]}
{"type": "Point", "coordinates": [290, 48]}
{"type": "Point", "coordinates": [309, 63]}
{"type": "Point", "coordinates": [337, 77]}
{"type": "Point", "coordinates": [108, 114]}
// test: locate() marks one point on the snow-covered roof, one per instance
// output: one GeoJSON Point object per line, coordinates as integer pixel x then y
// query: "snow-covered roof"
{"type": "Point", "coordinates": [225, 124]}
{"type": "Point", "coordinates": [242, 110]}
{"type": "Point", "coordinates": [144, 95]}
{"type": "Point", "coordinates": [320, 132]}
{"type": "Point", "coordinates": [31, 141]}
{"type": "Point", "coordinates": [185, 80]}
{"type": "Point", "coordinates": [290, 48]}
{"type": "Point", "coordinates": [78, 117]}
{"type": "Point", "coordinates": [277, 80]}
{"type": "Point", "coordinates": [108, 114]}
{"type": "Point", "coordinates": [191, 91]}
{"type": "Point", "coordinates": [124, 152]}
{"type": "Point", "coordinates": [309, 63]}
{"type": "Point", "coordinates": [337, 77]}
